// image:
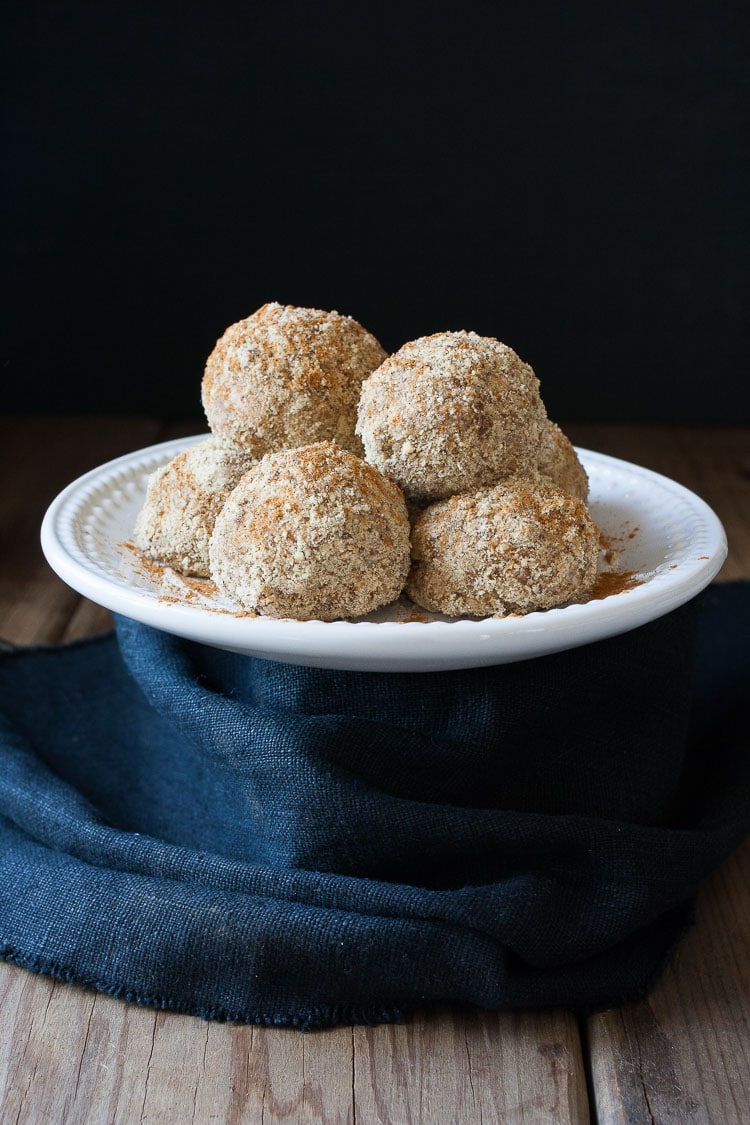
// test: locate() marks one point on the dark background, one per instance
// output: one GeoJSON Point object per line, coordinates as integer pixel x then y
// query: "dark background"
{"type": "Point", "coordinates": [569, 178]}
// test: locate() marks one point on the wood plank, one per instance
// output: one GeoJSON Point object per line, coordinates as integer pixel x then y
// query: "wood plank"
{"type": "Point", "coordinates": [682, 1056]}
{"type": "Point", "coordinates": [279, 1075]}
{"type": "Point", "coordinates": [74, 1056]}
{"type": "Point", "coordinates": [462, 1066]}
{"type": "Point", "coordinates": [69, 1053]}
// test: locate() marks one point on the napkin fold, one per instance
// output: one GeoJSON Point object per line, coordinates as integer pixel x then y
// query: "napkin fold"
{"type": "Point", "coordinates": [246, 840]}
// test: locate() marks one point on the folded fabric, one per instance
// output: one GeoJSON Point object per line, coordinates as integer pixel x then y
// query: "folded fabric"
{"type": "Point", "coordinates": [246, 840]}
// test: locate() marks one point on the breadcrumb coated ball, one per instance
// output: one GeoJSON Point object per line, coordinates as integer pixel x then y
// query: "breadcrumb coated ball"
{"type": "Point", "coordinates": [519, 546]}
{"type": "Point", "coordinates": [451, 412]}
{"type": "Point", "coordinates": [558, 460]}
{"type": "Point", "coordinates": [311, 533]}
{"type": "Point", "coordinates": [288, 376]}
{"type": "Point", "coordinates": [183, 499]}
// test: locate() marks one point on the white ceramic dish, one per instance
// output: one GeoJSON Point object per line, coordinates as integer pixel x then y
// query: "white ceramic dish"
{"type": "Point", "coordinates": [667, 536]}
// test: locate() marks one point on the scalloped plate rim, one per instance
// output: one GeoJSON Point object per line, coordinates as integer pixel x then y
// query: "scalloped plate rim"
{"type": "Point", "coordinates": [364, 645]}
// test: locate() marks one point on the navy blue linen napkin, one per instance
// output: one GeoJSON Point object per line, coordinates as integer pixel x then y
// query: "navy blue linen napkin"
{"type": "Point", "coordinates": [253, 841]}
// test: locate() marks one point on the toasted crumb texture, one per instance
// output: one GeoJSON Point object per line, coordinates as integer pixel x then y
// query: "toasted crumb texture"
{"type": "Point", "coordinates": [312, 533]}
{"type": "Point", "coordinates": [451, 412]}
{"type": "Point", "coordinates": [519, 546]}
{"type": "Point", "coordinates": [286, 377]}
{"type": "Point", "coordinates": [183, 499]}
{"type": "Point", "coordinates": [558, 460]}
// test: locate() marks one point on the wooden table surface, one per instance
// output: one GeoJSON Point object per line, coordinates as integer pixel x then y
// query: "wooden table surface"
{"type": "Point", "coordinates": [72, 1055]}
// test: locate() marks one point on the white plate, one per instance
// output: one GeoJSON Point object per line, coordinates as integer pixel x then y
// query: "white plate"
{"type": "Point", "coordinates": [666, 535]}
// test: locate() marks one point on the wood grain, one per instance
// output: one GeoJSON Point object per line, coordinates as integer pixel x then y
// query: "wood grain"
{"type": "Point", "coordinates": [458, 1066]}
{"type": "Point", "coordinates": [682, 1056]}
{"type": "Point", "coordinates": [70, 1055]}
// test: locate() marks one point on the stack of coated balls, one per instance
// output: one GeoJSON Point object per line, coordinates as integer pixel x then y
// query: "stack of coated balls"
{"type": "Point", "coordinates": [337, 477]}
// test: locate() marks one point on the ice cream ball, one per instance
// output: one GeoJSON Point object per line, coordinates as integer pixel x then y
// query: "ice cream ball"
{"type": "Point", "coordinates": [518, 546]}
{"type": "Point", "coordinates": [558, 460]}
{"type": "Point", "coordinates": [183, 499]}
{"type": "Point", "coordinates": [312, 533]}
{"type": "Point", "coordinates": [451, 412]}
{"type": "Point", "coordinates": [288, 376]}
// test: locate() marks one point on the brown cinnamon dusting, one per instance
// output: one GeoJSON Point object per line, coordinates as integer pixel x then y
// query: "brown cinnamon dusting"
{"type": "Point", "coordinates": [282, 375]}
{"type": "Point", "coordinates": [451, 412]}
{"type": "Point", "coordinates": [286, 376]}
{"type": "Point", "coordinates": [312, 533]}
{"type": "Point", "coordinates": [195, 589]}
{"type": "Point", "coordinates": [200, 591]}
{"type": "Point", "coordinates": [519, 546]}
{"type": "Point", "coordinates": [614, 582]}
{"type": "Point", "coordinates": [179, 589]}
{"type": "Point", "coordinates": [611, 543]}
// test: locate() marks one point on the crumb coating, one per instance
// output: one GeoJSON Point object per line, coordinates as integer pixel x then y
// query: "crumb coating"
{"type": "Point", "coordinates": [183, 499]}
{"type": "Point", "coordinates": [519, 546]}
{"type": "Point", "coordinates": [288, 376]}
{"type": "Point", "coordinates": [451, 412]}
{"type": "Point", "coordinates": [312, 533]}
{"type": "Point", "coordinates": [558, 460]}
